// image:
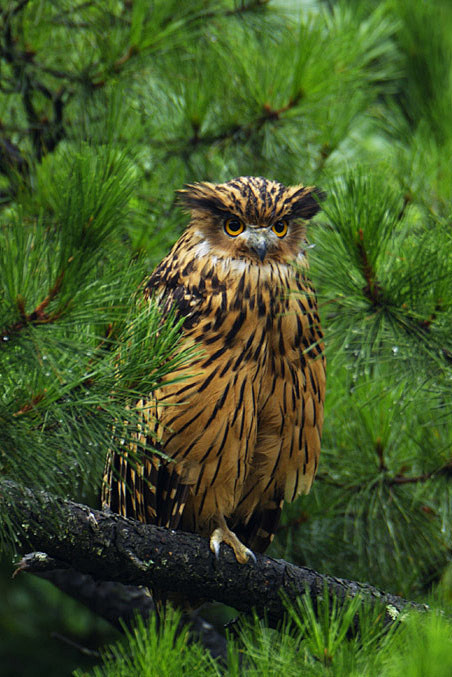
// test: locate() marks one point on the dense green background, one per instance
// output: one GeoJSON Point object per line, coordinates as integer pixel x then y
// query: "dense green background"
{"type": "Point", "coordinates": [106, 108]}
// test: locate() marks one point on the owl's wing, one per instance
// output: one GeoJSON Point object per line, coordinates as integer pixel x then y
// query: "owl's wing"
{"type": "Point", "coordinates": [144, 487]}
{"type": "Point", "coordinates": [138, 482]}
{"type": "Point", "coordinates": [124, 489]}
{"type": "Point", "coordinates": [171, 286]}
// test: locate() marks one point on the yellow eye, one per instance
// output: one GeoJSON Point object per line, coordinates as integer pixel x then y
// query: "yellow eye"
{"type": "Point", "coordinates": [280, 228]}
{"type": "Point", "coordinates": [233, 227]}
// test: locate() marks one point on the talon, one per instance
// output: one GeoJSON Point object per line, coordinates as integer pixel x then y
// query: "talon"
{"type": "Point", "coordinates": [225, 535]}
{"type": "Point", "coordinates": [215, 541]}
{"type": "Point", "coordinates": [251, 554]}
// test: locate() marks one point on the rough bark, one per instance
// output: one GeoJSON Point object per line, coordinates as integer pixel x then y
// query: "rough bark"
{"type": "Point", "coordinates": [112, 548]}
{"type": "Point", "coordinates": [116, 602]}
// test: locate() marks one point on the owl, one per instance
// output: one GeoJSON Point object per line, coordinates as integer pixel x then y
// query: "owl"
{"type": "Point", "coordinates": [240, 424]}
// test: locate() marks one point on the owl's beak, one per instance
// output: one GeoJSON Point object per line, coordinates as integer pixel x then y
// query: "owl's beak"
{"type": "Point", "coordinates": [257, 242]}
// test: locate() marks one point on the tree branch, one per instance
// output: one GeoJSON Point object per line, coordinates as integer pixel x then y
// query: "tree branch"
{"type": "Point", "coordinates": [111, 600]}
{"type": "Point", "coordinates": [110, 547]}
{"type": "Point", "coordinates": [116, 602]}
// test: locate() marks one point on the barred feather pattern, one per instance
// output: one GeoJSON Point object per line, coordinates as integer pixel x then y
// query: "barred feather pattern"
{"type": "Point", "coordinates": [242, 422]}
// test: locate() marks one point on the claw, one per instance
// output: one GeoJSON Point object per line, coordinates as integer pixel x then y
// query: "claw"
{"type": "Point", "coordinates": [251, 554]}
{"type": "Point", "coordinates": [215, 544]}
{"type": "Point", "coordinates": [225, 535]}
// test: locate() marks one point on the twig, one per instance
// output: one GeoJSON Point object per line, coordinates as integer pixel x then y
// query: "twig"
{"type": "Point", "coordinates": [445, 469]}
{"type": "Point", "coordinates": [372, 288]}
{"type": "Point", "coordinates": [38, 315]}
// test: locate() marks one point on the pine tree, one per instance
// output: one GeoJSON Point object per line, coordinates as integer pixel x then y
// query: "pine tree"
{"type": "Point", "coordinates": [106, 108]}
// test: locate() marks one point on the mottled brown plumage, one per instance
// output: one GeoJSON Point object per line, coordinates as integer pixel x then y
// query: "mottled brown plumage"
{"type": "Point", "coordinates": [243, 428]}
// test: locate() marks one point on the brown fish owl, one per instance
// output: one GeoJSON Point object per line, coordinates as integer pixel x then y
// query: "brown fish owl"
{"type": "Point", "coordinates": [243, 428]}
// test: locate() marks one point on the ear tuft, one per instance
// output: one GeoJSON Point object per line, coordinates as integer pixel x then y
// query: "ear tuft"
{"type": "Point", "coordinates": [201, 196]}
{"type": "Point", "coordinates": [306, 202]}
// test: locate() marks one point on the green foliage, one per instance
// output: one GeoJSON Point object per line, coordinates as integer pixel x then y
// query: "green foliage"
{"type": "Point", "coordinates": [106, 108]}
{"type": "Point", "coordinates": [378, 261]}
{"type": "Point", "coordinates": [423, 648]}
{"type": "Point", "coordinates": [326, 627]}
{"type": "Point", "coordinates": [77, 343]}
{"type": "Point", "coordinates": [345, 641]}
{"type": "Point", "coordinates": [148, 651]}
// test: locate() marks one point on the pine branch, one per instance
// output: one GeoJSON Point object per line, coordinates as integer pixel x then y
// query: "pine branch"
{"type": "Point", "coordinates": [233, 132]}
{"type": "Point", "coordinates": [111, 600]}
{"type": "Point", "coordinates": [444, 470]}
{"type": "Point", "coordinates": [115, 602]}
{"type": "Point", "coordinates": [45, 134]}
{"type": "Point", "coordinates": [11, 157]}
{"type": "Point", "coordinates": [110, 547]}
{"type": "Point", "coordinates": [372, 289]}
{"type": "Point", "coordinates": [38, 315]}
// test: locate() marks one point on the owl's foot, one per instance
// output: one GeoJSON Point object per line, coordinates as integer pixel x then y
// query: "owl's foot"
{"type": "Point", "coordinates": [225, 535]}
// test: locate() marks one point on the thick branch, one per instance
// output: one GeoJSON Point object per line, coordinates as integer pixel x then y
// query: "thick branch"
{"type": "Point", "coordinates": [110, 547]}
{"type": "Point", "coordinates": [116, 602]}
{"type": "Point", "coordinates": [111, 600]}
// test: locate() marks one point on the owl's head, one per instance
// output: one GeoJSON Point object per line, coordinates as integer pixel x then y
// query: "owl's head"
{"type": "Point", "coordinates": [251, 218]}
